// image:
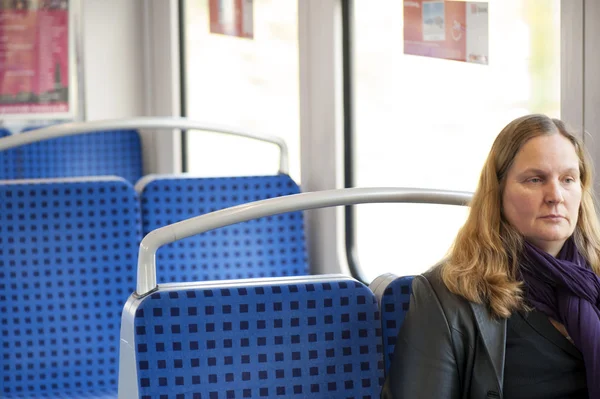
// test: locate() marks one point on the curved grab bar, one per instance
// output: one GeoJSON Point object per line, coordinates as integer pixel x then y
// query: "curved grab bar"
{"type": "Point", "coordinates": [69, 129]}
{"type": "Point", "coordinates": [146, 274]}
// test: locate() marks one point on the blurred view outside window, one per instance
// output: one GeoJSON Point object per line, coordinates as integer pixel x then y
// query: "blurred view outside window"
{"type": "Point", "coordinates": [250, 83]}
{"type": "Point", "coordinates": [429, 123]}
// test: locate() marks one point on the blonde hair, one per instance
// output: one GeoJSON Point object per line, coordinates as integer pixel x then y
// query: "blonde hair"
{"type": "Point", "coordinates": [482, 264]}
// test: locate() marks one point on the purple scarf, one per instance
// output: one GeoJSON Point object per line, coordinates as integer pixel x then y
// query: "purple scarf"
{"type": "Point", "coordinates": [567, 290]}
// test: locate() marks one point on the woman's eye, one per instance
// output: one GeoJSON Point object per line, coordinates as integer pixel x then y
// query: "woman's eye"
{"type": "Point", "coordinates": [535, 180]}
{"type": "Point", "coordinates": [570, 180]}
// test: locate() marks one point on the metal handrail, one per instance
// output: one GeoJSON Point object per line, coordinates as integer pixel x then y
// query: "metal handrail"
{"type": "Point", "coordinates": [146, 274]}
{"type": "Point", "coordinates": [69, 129]}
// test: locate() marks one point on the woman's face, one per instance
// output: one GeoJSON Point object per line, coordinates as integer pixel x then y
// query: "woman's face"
{"type": "Point", "coordinates": [542, 193]}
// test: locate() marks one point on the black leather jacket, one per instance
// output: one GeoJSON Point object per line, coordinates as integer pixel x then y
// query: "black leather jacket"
{"type": "Point", "coordinates": [447, 347]}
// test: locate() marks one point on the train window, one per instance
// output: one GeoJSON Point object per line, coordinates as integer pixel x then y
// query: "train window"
{"type": "Point", "coordinates": [429, 122]}
{"type": "Point", "coordinates": [250, 83]}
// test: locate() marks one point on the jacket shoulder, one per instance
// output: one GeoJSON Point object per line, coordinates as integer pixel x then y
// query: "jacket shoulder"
{"type": "Point", "coordinates": [456, 308]}
{"type": "Point", "coordinates": [428, 347]}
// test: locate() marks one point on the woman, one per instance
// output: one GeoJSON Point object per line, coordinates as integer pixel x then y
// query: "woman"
{"type": "Point", "coordinates": [513, 312]}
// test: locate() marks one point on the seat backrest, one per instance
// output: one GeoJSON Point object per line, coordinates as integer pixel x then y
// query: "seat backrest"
{"type": "Point", "coordinates": [267, 247]}
{"type": "Point", "coordinates": [116, 153]}
{"type": "Point", "coordinates": [309, 337]}
{"type": "Point", "coordinates": [68, 249]}
{"type": "Point", "coordinates": [7, 159]}
{"type": "Point", "coordinates": [393, 294]}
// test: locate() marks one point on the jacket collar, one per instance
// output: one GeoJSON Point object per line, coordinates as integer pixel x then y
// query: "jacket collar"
{"type": "Point", "coordinates": [540, 323]}
{"type": "Point", "coordinates": [493, 334]}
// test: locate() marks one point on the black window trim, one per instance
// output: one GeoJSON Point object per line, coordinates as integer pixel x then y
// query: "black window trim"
{"type": "Point", "coordinates": [348, 107]}
{"type": "Point", "coordinates": [182, 83]}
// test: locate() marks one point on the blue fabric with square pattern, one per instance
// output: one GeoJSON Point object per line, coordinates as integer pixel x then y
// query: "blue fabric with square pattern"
{"type": "Point", "coordinates": [115, 153]}
{"type": "Point", "coordinates": [278, 340]}
{"type": "Point", "coordinates": [75, 394]}
{"type": "Point", "coordinates": [394, 306]}
{"type": "Point", "coordinates": [68, 252]}
{"type": "Point", "coordinates": [267, 247]}
{"type": "Point", "coordinates": [7, 159]}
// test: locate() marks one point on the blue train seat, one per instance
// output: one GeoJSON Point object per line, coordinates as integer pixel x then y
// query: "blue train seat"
{"type": "Point", "coordinates": [267, 247]}
{"type": "Point", "coordinates": [68, 249]}
{"type": "Point", "coordinates": [7, 159]}
{"type": "Point", "coordinates": [393, 294]}
{"type": "Point", "coordinates": [292, 337]}
{"type": "Point", "coordinates": [116, 153]}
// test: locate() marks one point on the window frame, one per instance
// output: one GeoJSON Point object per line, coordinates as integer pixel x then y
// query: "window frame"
{"type": "Point", "coordinates": [576, 39]}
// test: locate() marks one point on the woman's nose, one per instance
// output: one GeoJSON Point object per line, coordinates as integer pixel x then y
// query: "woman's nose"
{"type": "Point", "coordinates": [554, 194]}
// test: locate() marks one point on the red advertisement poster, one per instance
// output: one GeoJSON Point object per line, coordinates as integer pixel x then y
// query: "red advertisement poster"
{"type": "Point", "coordinates": [232, 18]}
{"type": "Point", "coordinates": [34, 58]}
{"type": "Point", "coordinates": [452, 30]}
